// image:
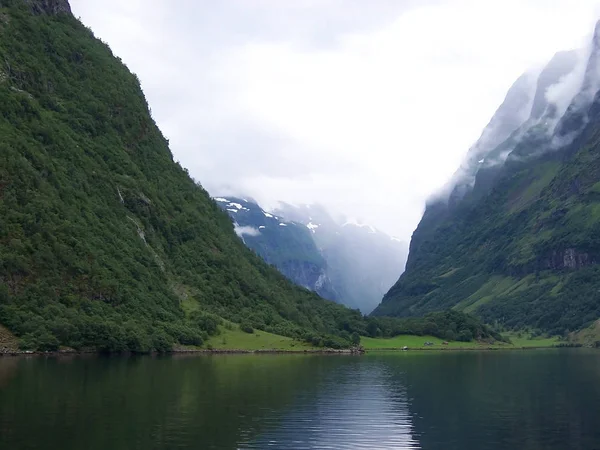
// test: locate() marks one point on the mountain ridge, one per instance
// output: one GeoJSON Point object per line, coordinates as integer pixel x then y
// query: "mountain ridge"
{"type": "Point", "coordinates": [520, 247]}
{"type": "Point", "coordinates": [105, 241]}
{"type": "Point", "coordinates": [286, 245]}
{"type": "Point", "coordinates": [343, 260]}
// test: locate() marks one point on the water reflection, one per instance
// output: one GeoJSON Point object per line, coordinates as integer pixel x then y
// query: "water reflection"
{"type": "Point", "coordinates": [530, 400]}
{"type": "Point", "coordinates": [450, 401]}
{"type": "Point", "coordinates": [354, 407]}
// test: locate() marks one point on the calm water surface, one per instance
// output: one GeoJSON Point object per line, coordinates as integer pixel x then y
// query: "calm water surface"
{"type": "Point", "coordinates": [489, 400]}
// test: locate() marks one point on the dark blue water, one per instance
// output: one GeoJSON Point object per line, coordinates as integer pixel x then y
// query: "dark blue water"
{"type": "Point", "coordinates": [489, 400]}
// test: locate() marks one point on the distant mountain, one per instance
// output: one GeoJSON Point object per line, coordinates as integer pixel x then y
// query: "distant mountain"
{"type": "Point", "coordinates": [515, 238]}
{"type": "Point", "coordinates": [287, 245]}
{"type": "Point", "coordinates": [363, 262]}
{"type": "Point", "coordinates": [350, 263]}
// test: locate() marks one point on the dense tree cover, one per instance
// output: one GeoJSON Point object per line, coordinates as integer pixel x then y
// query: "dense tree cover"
{"type": "Point", "coordinates": [522, 249]}
{"type": "Point", "coordinates": [105, 241]}
{"type": "Point", "coordinates": [451, 325]}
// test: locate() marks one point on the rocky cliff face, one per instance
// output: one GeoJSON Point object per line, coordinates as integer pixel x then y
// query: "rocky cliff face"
{"type": "Point", "coordinates": [521, 246]}
{"type": "Point", "coordinates": [48, 7]}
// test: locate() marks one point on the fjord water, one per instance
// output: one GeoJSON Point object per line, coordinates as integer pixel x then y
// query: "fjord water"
{"type": "Point", "coordinates": [494, 400]}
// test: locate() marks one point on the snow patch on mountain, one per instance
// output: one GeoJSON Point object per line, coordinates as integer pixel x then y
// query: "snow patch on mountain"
{"type": "Point", "coordinates": [312, 226]}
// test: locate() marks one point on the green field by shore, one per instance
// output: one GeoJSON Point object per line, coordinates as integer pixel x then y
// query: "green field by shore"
{"type": "Point", "coordinates": [418, 342]}
{"type": "Point", "coordinates": [236, 339]}
{"type": "Point", "coordinates": [232, 338]}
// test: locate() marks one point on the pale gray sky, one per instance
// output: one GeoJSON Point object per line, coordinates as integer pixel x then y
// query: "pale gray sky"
{"type": "Point", "coordinates": [365, 107]}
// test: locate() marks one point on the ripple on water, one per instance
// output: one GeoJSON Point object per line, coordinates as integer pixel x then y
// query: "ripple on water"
{"type": "Point", "coordinates": [356, 408]}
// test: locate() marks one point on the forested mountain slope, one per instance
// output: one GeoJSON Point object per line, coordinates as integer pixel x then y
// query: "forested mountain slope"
{"type": "Point", "coordinates": [519, 243]}
{"type": "Point", "coordinates": [105, 241]}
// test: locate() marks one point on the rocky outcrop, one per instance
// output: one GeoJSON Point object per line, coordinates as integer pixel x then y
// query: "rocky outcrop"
{"type": "Point", "coordinates": [48, 7]}
{"type": "Point", "coordinates": [569, 258]}
{"type": "Point", "coordinates": [310, 276]}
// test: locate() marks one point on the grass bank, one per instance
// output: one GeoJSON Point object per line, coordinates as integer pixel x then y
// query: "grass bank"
{"type": "Point", "coordinates": [414, 342]}
{"type": "Point", "coordinates": [523, 341]}
{"type": "Point", "coordinates": [232, 338]}
{"type": "Point", "coordinates": [418, 342]}
{"type": "Point", "coordinates": [236, 339]}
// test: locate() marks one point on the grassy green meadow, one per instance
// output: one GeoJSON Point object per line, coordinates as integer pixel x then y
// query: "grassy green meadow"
{"type": "Point", "coordinates": [236, 339]}
{"type": "Point", "coordinates": [418, 342]}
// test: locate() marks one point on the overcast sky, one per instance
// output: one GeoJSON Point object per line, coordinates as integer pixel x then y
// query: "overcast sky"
{"type": "Point", "coordinates": [366, 107]}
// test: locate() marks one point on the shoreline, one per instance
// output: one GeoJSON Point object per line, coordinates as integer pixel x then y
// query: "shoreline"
{"type": "Point", "coordinates": [351, 352]}
{"type": "Point", "coordinates": [470, 349]}
{"type": "Point", "coordinates": [202, 351]}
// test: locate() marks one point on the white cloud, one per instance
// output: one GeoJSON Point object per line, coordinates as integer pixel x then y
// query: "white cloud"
{"type": "Point", "coordinates": [245, 231]}
{"type": "Point", "coordinates": [365, 109]}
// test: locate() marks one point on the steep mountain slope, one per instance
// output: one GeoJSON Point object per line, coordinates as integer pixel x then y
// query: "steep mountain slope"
{"type": "Point", "coordinates": [288, 246]}
{"type": "Point", "coordinates": [105, 241]}
{"type": "Point", "coordinates": [520, 245]}
{"type": "Point", "coordinates": [362, 262]}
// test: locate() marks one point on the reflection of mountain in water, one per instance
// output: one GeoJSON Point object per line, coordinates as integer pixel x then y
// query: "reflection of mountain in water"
{"type": "Point", "coordinates": [434, 401]}
{"type": "Point", "coordinates": [511, 400]}
{"type": "Point", "coordinates": [353, 407]}
{"type": "Point", "coordinates": [143, 403]}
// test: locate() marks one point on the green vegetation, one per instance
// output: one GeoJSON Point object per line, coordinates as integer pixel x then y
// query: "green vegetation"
{"type": "Point", "coordinates": [521, 340]}
{"type": "Point", "coordinates": [105, 241]}
{"type": "Point", "coordinates": [509, 341]}
{"type": "Point", "coordinates": [446, 325]}
{"type": "Point", "coordinates": [415, 342]}
{"type": "Point", "coordinates": [236, 339]}
{"type": "Point", "coordinates": [8, 341]}
{"type": "Point", "coordinates": [589, 337]}
{"type": "Point", "coordinates": [520, 250]}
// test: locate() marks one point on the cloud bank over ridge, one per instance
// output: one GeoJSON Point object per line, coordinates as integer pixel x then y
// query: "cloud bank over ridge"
{"type": "Point", "coordinates": [367, 110]}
